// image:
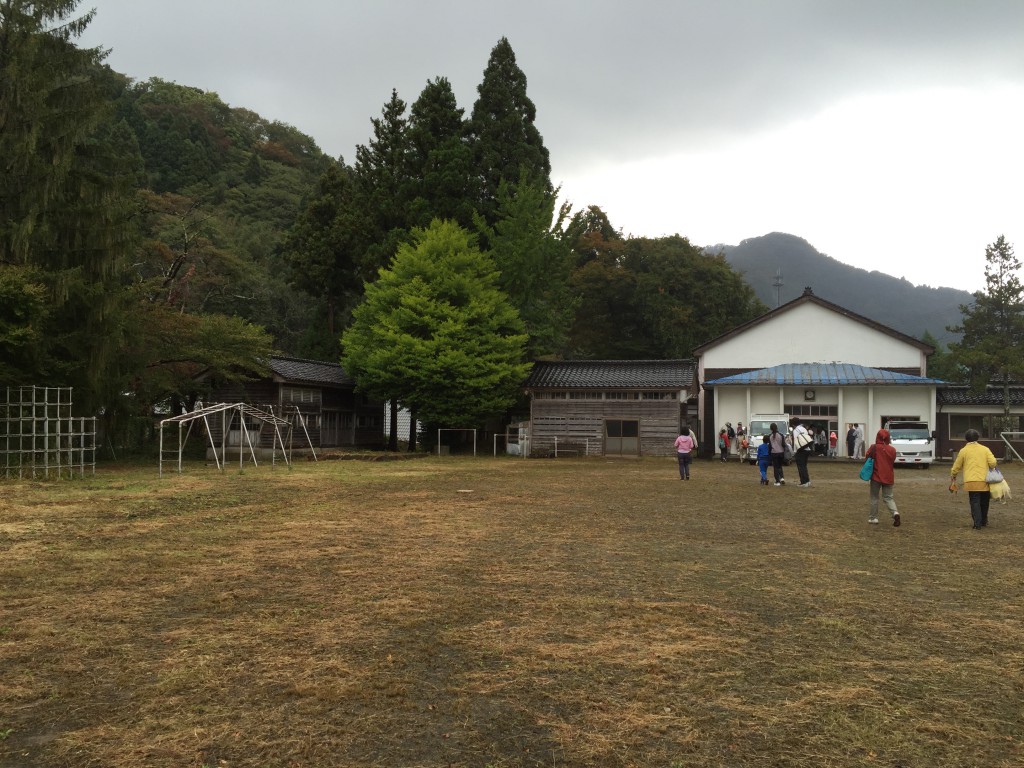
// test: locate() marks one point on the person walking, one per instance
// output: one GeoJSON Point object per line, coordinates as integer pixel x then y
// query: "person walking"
{"type": "Point", "coordinates": [883, 476]}
{"type": "Point", "coordinates": [833, 445]}
{"type": "Point", "coordinates": [975, 460]}
{"type": "Point", "coordinates": [777, 452]}
{"type": "Point", "coordinates": [858, 442]}
{"type": "Point", "coordinates": [764, 458]}
{"type": "Point", "coordinates": [685, 446]}
{"type": "Point", "coordinates": [723, 443]}
{"type": "Point", "coordinates": [803, 445]}
{"type": "Point", "coordinates": [851, 441]}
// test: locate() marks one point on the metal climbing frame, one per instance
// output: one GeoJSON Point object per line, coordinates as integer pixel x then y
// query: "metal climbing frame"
{"type": "Point", "coordinates": [228, 413]}
{"type": "Point", "coordinates": [40, 438]}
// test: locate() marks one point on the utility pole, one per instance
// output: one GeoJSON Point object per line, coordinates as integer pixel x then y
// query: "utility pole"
{"type": "Point", "coordinates": [777, 284]}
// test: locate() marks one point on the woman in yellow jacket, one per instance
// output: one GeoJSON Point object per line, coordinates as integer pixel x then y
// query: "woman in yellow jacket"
{"type": "Point", "coordinates": [975, 459]}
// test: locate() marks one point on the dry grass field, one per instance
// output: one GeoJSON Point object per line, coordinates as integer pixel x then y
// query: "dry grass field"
{"type": "Point", "coordinates": [501, 612]}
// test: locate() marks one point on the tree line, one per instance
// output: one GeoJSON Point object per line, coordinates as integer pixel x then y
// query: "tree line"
{"type": "Point", "coordinates": [150, 233]}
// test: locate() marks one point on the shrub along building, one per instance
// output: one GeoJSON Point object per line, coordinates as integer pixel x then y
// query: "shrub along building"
{"type": "Point", "coordinates": [609, 407]}
{"type": "Point", "coordinates": [816, 360]}
{"type": "Point", "coordinates": [318, 398]}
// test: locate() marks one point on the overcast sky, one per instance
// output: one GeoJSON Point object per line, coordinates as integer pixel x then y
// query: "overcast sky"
{"type": "Point", "coordinates": [887, 133]}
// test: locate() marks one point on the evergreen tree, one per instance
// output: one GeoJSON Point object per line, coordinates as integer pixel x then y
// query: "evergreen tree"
{"type": "Point", "coordinates": [992, 345]}
{"type": "Point", "coordinates": [440, 159]}
{"type": "Point", "coordinates": [324, 248]}
{"type": "Point", "coordinates": [506, 143]}
{"type": "Point", "coordinates": [66, 188]}
{"type": "Point", "coordinates": [436, 334]}
{"type": "Point", "coordinates": [384, 184]}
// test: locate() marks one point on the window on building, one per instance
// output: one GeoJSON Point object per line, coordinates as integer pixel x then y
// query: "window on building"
{"type": "Point", "coordinates": [658, 395]}
{"type": "Point", "coordinates": [621, 395]}
{"type": "Point", "coordinates": [300, 395]}
{"type": "Point", "coordinates": [812, 411]}
{"type": "Point", "coordinates": [585, 395]}
{"type": "Point", "coordinates": [989, 426]}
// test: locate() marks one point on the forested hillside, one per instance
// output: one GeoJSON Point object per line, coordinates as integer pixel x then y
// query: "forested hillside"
{"type": "Point", "coordinates": [914, 310]}
{"type": "Point", "coordinates": [150, 232]}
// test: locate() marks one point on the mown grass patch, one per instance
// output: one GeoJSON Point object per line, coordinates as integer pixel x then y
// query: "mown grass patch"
{"type": "Point", "coordinates": [505, 612]}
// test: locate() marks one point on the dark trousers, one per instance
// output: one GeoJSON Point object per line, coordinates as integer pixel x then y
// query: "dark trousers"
{"type": "Point", "coordinates": [777, 466]}
{"type": "Point", "coordinates": [684, 466]}
{"type": "Point", "coordinates": [801, 465]}
{"type": "Point", "coordinates": [979, 507]}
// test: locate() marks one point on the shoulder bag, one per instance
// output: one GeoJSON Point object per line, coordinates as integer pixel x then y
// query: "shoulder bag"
{"type": "Point", "coordinates": [868, 468]}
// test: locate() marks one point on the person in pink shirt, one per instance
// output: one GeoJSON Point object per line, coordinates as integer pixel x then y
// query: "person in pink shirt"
{"type": "Point", "coordinates": [686, 445]}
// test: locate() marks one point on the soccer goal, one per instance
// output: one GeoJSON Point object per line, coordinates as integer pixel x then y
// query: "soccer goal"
{"type": "Point", "coordinates": [446, 449]}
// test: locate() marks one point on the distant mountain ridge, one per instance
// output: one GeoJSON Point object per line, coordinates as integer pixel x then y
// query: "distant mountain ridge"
{"type": "Point", "coordinates": [892, 301]}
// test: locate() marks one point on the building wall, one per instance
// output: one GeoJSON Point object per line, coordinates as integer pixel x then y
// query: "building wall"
{"type": "Point", "coordinates": [854, 404]}
{"type": "Point", "coordinates": [987, 419]}
{"type": "Point", "coordinates": [809, 333]}
{"type": "Point", "coordinates": [582, 422]}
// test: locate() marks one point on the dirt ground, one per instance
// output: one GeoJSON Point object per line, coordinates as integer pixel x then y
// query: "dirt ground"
{"type": "Point", "coordinates": [506, 612]}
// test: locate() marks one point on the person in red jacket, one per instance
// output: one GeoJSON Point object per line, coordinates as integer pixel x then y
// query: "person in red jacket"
{"type": "Point", "coordinates": [882, 476]}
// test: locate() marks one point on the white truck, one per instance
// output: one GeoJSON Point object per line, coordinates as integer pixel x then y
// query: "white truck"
{"type": "Point", "coordinates": [913, 442]}
{"type": "Point", "coordinates": [759, 425]}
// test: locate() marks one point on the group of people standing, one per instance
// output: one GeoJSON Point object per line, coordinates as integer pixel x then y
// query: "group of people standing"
{"type": "Point", "coordinates": [974, 460]}
{"type": "Point", "coordinates": [772, 452]}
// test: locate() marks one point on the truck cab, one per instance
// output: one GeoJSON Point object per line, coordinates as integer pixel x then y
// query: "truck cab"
{"type": "Point", "coordinates": [913, 443]}
{"type": "Point", "coordinates": [759, 425]}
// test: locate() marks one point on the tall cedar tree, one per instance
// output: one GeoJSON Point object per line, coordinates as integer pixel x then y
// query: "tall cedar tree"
{"type": "Point", "coordinates": [992, 345]}
{"type": "Point", "coordinates": [436, 334]}
{"type": "Point", "coordinates": [440, 159]}
{"type": "Point", "coordinates": [325, 246]}
{"type": "Point", "coordinates": [506, 143]}
{"type": "Point", "coordinates": [384, 185]}
{"type": "Point", "coordinates": [65, 191]}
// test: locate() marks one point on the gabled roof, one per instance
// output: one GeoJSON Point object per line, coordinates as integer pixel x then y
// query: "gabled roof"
{"type": "Point", "coordinates": [612, 374]}
{"type": "Point", "coordinates": [808, 297]}
{"type": "Point", "coordinates": [993, 395]}
{"type": "Point", "coordinates": [821, 374]}
{"type": "Point", "coordinates": [296, 370]}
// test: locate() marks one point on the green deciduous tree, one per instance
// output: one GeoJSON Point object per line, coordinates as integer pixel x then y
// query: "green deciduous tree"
{"type": "Point", "coordinates": [941, 364]}
{"type": "Point", "coordinates": [650, 297]}
{"type": "Point", "coordinates": [506, 143]}
{"type": "Point", "coordinates": [991, 348]}
{"type": "Point", "coordinates": [534, 261]}
{"type": "Point", "coordinates": [436, 334]}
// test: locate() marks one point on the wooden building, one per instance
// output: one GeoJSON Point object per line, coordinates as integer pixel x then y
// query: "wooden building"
{"type": "Point", "coordinates": [960, 408]}
{"type": "Point", "coordinates": [318, 398]}
{"type": "Point", "coordinates": [609, 407]}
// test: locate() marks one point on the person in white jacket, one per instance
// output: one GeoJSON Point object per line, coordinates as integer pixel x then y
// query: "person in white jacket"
{"type": "Point", "coordinates": [803, 447]}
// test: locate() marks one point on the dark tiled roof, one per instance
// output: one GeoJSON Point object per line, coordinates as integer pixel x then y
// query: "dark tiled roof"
{"type": "Point", "coordinates": [295, 370]}
{"type": "Point", "coordinates": [821, 374]}
{"type": "Point", "coordinates": [991, 396]}
{"type": "Point", "coordinates": [612, 374]}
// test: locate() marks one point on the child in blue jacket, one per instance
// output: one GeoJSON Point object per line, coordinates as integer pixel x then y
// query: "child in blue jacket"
{"type": "Point", "coordinates": [764, 458]}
